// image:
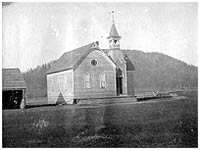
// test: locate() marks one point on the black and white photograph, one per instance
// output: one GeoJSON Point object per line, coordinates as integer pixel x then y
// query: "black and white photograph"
{"type": "Point", "coordinates": [99, 74]}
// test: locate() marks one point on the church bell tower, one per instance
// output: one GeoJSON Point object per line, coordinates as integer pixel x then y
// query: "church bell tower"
{"type": "Point", "coordinates": [114, 38]}
{"type": "Point", "coordinates": [117, 56]}
{"type": "Point", "coordinates": [114, 43]}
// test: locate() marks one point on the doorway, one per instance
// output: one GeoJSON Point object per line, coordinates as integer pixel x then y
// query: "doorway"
{"type": "Point", "coordinates": [119, 85]}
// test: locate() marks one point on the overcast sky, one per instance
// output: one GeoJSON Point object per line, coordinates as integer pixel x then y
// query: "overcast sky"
{"type": "Point", "coordinates": [35, 33]}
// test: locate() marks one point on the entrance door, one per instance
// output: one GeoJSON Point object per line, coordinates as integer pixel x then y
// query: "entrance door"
{"type": "Point", "coordinates": [119, 85]}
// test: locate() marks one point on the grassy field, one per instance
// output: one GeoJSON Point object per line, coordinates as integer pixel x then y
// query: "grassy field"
{"type": "Point", "coordinates": [158, 124]}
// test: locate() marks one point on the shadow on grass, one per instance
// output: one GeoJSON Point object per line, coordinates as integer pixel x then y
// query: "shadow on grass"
{"type": "Point", "coordinates": [35, 106]}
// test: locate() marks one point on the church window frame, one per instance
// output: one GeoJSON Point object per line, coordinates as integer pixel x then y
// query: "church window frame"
{"type": "Point", "coordinates": [94, 62]}
{"type": "Point", "coordinates": [58, 82]}
{"type": "Point", "coordinates": [62, 83]}
{"type": "Point", "coordinates": [50, 85]}
{"type": "Point", "coordinates": [87, 81]}
{"type": "Point", "coordinates": [102, 78]}
{"type": "Point", "coordinates": [54, 85]}
{"type": "Point", "coordinates": [65, 83]}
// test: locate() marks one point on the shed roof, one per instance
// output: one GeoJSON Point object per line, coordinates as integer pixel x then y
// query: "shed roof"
{"type": "Point", "coordinates": [12, 78]}
{"type": "Point", "coordinates": [72, 59]}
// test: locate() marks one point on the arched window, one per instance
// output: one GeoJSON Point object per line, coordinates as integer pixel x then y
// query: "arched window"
{"type": "Point", "coordinates": [58, 83]}
{"type": "Point", "coordinates": [87, 81]}
{"type": "Point", "coordinates": [102, 77]}
{"type": "Point", "coordinates": [50, 85]}
{"type": "Point", "coordinates": [53, 84]}
{"type": "Point", "coordinates": [65, 83]}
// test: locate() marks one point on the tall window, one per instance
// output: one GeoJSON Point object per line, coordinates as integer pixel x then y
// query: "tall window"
{"type": "Point", "coordinates": [87, 81]}
{"type": "Point", "coordinates": [62, 83]}
{"type": "Point", "coordinates": [58, 82]}
{"type": "Point", "coordinates": [50, 84]}
{"type": "Point", "coordinates": [65, 83]}
{"type": "Point", "coordinates": [53, 84]}
{"type": "Point", "coordinates": [102, 81]}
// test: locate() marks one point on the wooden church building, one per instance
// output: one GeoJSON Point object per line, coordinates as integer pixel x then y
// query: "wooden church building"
{"type": "Point", "coordinates": [90, 72]}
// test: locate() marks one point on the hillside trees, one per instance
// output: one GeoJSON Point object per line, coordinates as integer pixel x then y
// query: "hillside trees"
{"type": "Point", "coordinates": [36, 80]}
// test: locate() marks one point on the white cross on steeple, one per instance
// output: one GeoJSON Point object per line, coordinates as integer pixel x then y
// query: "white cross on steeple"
{"type": "Point", "coordinates": [113, 19]}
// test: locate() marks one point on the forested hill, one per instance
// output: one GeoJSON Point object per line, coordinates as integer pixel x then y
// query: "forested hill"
{"type": "Point", "coordinates": [160, 72]}
{"type": "Point", "coordinates": [153, 71]}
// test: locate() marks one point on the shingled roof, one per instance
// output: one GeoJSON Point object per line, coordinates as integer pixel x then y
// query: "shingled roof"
{"type": "Point", "coordinates": [12, 79]}
{"type": "Point", "coordinates": [113, 32]}
{"type": "Point", "coordinates": [71, 59]}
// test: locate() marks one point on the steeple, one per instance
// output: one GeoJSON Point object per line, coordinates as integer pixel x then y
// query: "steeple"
{"type": "Point", "coordinates": [113, 32]}
{"type": "Point", "coordinates": [117, 56]}
{"type": "Point", "coordinates": [114, 37]}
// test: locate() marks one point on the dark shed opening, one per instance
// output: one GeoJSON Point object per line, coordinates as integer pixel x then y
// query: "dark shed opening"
{"type": "Point", "coordinates": [13, 89]}
{"type": "Point", "coordinates": [12, 99]}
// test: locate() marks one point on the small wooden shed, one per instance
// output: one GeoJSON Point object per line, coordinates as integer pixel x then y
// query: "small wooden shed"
{"type": "Point", "coordinates": [13, 88]}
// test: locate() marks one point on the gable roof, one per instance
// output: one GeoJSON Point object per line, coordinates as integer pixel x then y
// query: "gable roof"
{"type": "Point", "coordinates": [12, 78]}
{"type": "Point", "coordinates": [72, 59]}
{"type": "Point", "coordinates": [129, 64]}
{"type": "Point", "coordinates": [113, 32]}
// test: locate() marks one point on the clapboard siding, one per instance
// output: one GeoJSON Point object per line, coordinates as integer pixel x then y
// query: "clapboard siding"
{"type": "Point", "coordinates": [60, 86]}
{"type": "Point", "coordinates": [12, 79]}
{"type": "Point", "coordinates": [130, 83]}
{"type": "Point", "coordinates": [104, 65]}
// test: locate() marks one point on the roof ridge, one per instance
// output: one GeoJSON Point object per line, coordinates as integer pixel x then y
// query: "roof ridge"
{"type": "Point", "coordinates": [79, 47]}
{"type": "Point", "coordinates": [12, 78]}
{"type": "Point", "coordinates": [70, 59]}
{"type": "Point", "coordinates": [10, 69]}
